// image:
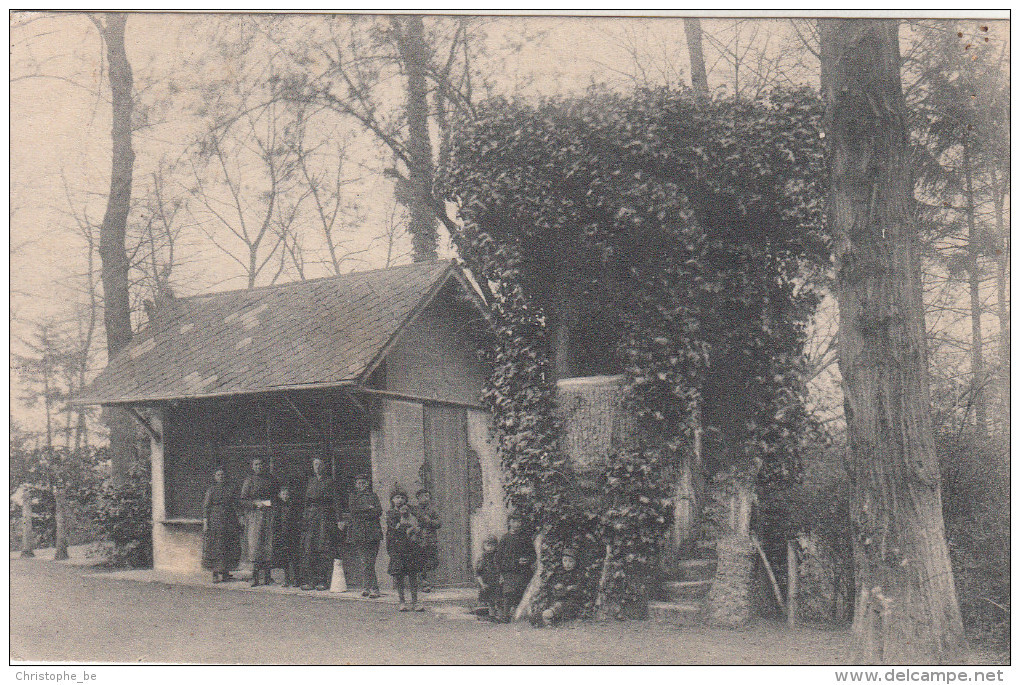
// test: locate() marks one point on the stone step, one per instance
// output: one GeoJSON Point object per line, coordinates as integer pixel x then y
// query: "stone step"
{"type": "Point", "coordinates": [696, 569]}
{"type": "Point", "coordinates": [681, 590]}
{"type": "Point", "coordinates": [676, 613]}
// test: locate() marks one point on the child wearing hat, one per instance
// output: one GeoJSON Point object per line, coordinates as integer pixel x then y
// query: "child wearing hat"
{"type": "Point", "coordinates": [566, 592]}
{"type": "Point", "coordinates": [487, 577]}
{"type": "Point", "coordinates": [405, 547]}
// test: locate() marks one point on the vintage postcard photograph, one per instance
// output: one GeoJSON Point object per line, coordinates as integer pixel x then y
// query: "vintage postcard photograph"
{"type": "Point", "coordinates": [510, 339]}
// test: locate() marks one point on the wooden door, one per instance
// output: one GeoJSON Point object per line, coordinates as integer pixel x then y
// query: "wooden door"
{"type": "Point", "coordinates": [446, 453]}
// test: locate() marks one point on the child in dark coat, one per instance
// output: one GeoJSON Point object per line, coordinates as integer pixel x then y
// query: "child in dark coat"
{"type": "Point", "coordinates": [430, 523]}
{"type": "Point", "coordinates": [404, 545]}
{"type": "Point", "coordinates": [487, 577]}
{"type": "Point", "coordinates": [515, 556]}
{"type": "Point", "coordinates": [566, 592]}
{"type": "Point", "coordinates": [287, 538]}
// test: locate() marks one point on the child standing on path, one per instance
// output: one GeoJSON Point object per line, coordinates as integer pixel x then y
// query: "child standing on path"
{"type": "Point", "coordinates": [286, 542]}
{"type": "Point", "coordinates": [487, 576]}
{"type": "Point", "coordinates": [404, 545]}
{"type": "Point", "coordinates": [515, 556]}
{"type": "Point", "coordinates": [428, 519]}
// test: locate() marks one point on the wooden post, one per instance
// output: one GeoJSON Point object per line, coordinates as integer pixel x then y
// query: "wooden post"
{"type": "Point", "coordinates": [791, 583]}
{"type": "Point", "coordinates": [768, 570]}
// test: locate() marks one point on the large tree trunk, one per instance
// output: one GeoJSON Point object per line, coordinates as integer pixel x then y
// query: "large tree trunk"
{"type": "Point", "coordinates": [906, 609]}
{"type": "Point", "coordinates": [414, 55]}
{"type": "Point", "coordinates": [699, 77]}
{"type": "Point", "coordinates": [112, 251]}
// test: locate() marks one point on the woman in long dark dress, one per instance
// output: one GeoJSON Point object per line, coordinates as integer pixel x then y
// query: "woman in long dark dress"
{"type": "Point", "coordinates": [319, 529]}
{"type": "Point", "coordinates": [221, 542]}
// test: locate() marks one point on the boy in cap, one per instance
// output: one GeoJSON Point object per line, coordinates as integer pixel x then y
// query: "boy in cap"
{"type": "Point", "coordinates": [515, 556]}
{"type": "Point", "coordinates": [428, 519]}
{"type": "Point", "coordinates": [364, 531]}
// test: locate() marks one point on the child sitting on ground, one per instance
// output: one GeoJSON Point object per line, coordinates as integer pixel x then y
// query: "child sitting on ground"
{"type": "Point", "coordinates": [566, 592]}
{"type": "Point", "coordinates": [487, 576]}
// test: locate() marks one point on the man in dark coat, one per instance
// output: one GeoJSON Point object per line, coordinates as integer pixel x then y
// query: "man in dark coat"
{"type": "Point", "coordinates": [364, 531]}
{"type": "Point", "coordinates": [221, 542]}
{"type": "Point", "coordinates": [428, 519]}
{"type": "Point", "coordinates": [318, 529]}
{"type": "Point", "coordinates": [257, 495]}
{"type": "Point", "coordinates": [515, 557]}
{"type": "Point", "coordinates": [287, 537]}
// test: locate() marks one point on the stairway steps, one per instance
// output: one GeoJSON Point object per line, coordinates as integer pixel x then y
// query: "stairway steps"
{"type": "Point", "coordinates": [676, 613]}
{"type": "Point", "coordinates": [680, 591]}
{"type": "Point", "coordinates": [696, 569]}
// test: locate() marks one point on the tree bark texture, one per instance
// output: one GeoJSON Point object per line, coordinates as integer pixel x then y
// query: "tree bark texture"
{"type": "Point", "coordinates": [906, 609]}
{"type": "Point", "coordinates": [699, 77]}
{"type": "Point", "coordinates": [112, 250]}
{"type": "Point", "coordinates": [414, 56]}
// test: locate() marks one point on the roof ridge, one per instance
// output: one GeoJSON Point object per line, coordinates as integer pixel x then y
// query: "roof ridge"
{"type": "Point", "coordinates": [289, 284]}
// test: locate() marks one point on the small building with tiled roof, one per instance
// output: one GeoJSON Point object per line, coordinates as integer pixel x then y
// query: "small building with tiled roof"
{"type": "Point", "coordinates": [376, 372]}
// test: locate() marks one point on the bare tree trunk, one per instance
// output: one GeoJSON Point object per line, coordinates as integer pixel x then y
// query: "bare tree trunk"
{"type": "Point", "coordinates": [906, 610]}
{"type": "Point", "coordinates": [1002, 301]}
{"type": "Point", "coordinates": [699, 77]}
{"type": "Point", "coordinates": [977, 357]}
{"type": "Point", "coordinates": [112, 251]}
{"type": "Point", "coordinates": [27, 536]}
{"type": "Point", "coordinates": [60, 524]}
{"type": "Point", "coordinates": [414, 55]}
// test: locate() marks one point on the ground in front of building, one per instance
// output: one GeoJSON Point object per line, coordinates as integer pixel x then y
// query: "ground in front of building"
{"type": "Point", "coordinates": [64, 612]}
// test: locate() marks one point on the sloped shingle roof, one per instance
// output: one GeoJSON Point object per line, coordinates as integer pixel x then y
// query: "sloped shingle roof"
{"type": "Point", "coordinates": [321, 332]}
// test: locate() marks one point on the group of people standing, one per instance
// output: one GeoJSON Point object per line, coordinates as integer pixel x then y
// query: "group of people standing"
{"type": "Point", "coordinates": [303, 537]}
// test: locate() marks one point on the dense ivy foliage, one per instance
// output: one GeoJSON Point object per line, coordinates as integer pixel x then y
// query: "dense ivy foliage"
{"type": "Point", "coordinates": [694, 228]}
{"type": "Point", "coordinates": [124, 515]}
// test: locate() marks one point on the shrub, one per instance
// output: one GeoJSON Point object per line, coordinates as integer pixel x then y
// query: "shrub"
{"type": "Point", "coordinates": [975, 506]}
{"type": "Point", "coordinates": [818, 517]}
{"type": "Point", "coordinates": [124, 515]}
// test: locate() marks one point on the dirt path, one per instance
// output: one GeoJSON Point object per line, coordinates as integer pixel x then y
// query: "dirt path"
{"type": "Point", "coordinates": [60, 613]}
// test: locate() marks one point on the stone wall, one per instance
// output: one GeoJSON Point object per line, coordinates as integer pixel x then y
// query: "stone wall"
{"type": "Point", "coordinates": [730, 600]}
